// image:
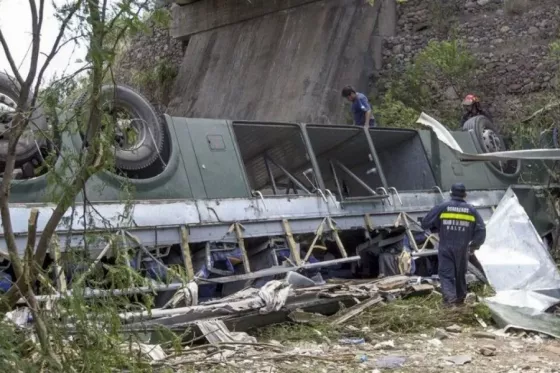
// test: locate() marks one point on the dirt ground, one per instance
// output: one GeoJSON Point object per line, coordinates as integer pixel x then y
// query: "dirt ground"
{"type": "Point", "coordinates": [396, 353]}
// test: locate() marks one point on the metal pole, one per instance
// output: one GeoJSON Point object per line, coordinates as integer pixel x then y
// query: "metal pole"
{"type": "Point", "coordinates": [375, 158]}
{"type": "Point", "coordinates": [335, 176]}
{"type": "Point", "coordinates": [291, 177]}
{"type": "Point", "coordinates": [356, 178]}
{"type": "Point", "coordinates": [312, 157]}
{"type": "Point", "coordinates": [270, 175]}
{"type": "Point", "coordinates": [93, 293]}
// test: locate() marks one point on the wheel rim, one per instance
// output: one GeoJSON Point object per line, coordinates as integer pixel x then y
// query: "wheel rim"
{"type": "Point", "coordinates": [492, 143]}
{"type": "Point", "coordinates": [130, 132]}
{"type": "Point", "coordinates": [8, 105]}
{"type": "Point", "coordinates": [7, 109]}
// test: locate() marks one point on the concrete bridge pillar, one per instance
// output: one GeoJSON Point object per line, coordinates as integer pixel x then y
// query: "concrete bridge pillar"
{"type": "Point", "coordinates": [386, 27]}
{"type": "Point", "coordinates": [275, 60]}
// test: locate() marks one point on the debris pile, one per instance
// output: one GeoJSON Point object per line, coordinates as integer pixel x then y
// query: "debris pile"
{"type": "Point", "coordinates": [278, 299]}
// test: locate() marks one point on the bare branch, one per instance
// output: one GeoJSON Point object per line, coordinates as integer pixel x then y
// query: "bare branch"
{"type": "Point", "coordinates": [74, 38]}
{"type": "Point", "coordinates": [36, 32]}
{"type": "Point", "coordinates": [104, 11]}
{"type": "Point", "coordinates": [11, 61]}
{"type": "Point", "coordinates": [41, 12]}
{"type": "Point", "coordinates": [40, 326]}
{"type": "Point", "coordinates": [546, 108]}
{"type": "Point", "coordinates": [55, 48]}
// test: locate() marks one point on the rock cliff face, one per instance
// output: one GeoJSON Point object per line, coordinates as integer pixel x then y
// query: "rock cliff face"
{"type": "Point", "coordinates": [142, 57]}
{"type": "Point", "coordinates": [511, 45]}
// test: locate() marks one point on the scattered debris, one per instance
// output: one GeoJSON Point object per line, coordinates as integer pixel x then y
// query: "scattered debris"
{"type": "Point", "coordinates": [419, 290]}
{"type": "Point", "coordinates": [352, 341]}
{"type": "Point", "coordinates": [20, 316]}
{"type": "Point", "coordinates": [480, 321]}
{"type": "Point", "coordinates": [357, 309]}
{"type": "Point", "coordinates": [483, 335]}
{"type": "Point", "coordinates": [384, 345]}
{"type": "Point", "coordinates": [154, 352]}
{"type": "Point", "coordinates": [302, 317]}
{"type": "Point", "coordinates": [390, 362]}
{"type": "Point", "coordinates": [454, 329]}
{"type": "Point", "coordinates": [392, 283]}
{"type": "Point", "coordinates": [215, 331]}
{"type": "Point", "coordinates": [488, 350]}
{"type": "Point", "coordinates": [553, 349]}
{"type": "Point", "coordinates": [441, 334]}
{"type": "Point", "coordinates": [435, 342]}
{"type": "Point", "coordinates": [458, 360]}
{"type": "Point", "coordinates": [520, 269]}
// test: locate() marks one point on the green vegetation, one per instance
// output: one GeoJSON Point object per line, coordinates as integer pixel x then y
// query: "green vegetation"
{"type": "Point", "coordinates": [74, 333]}
{"type": "Point", "coordinates": [441, 66]}
{"type": "Point", "coordinates": [159, 79]}
{"type": "Point", "coordinates": [411, 315]}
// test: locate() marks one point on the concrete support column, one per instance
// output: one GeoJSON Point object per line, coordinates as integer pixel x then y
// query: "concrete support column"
{"type": "Point", "coordinates": [386, 27]}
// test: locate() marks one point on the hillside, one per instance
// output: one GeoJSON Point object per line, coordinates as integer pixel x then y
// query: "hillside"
{"type": "Point", "coordinates": [306, 53]}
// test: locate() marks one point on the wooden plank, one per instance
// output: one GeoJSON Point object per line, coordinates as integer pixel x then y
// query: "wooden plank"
{"type": "Point", "coordinates": [210, 14]}
{"type": "Point", "coordinates": [337, 239]}
{"type": "Point", "coordinates": [356, 310]}
{"type": "Point", "coordinates": [294, 249]}
{"type": "Point", "coordinates": [60, 276]}
{"type": "Point", "coordinates": [241, 244]}
{"type": "Point", "coordinates": [187, 253]}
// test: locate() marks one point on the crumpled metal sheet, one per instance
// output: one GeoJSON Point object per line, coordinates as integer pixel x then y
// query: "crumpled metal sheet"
{"type": "Point", "coordinates": [513, 256]}
{"type": "Point", "coordinates": [525, 318]}
{"type": "Point", "coordinates": [445, 136]}
{"type": "Point", "coordinates": [520, 268]}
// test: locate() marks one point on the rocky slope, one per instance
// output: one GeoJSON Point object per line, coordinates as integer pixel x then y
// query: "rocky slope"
{"type": "Point", "coordinates": [510, 44]}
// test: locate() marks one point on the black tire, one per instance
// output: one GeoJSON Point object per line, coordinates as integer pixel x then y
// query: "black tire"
{"type": "Point", "coordinates": [152, 138]}
{"type": "Point", "coordinates": [548, 139]}
{"type": "Point", "coordinates": [29, 144]}
{"type": "Point", "coordinates": [489, 140]}
{"type": "Point", "coordinates": [479, 125]}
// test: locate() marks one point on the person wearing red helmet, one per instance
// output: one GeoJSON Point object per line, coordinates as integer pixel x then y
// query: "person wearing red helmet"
{"type": "Point", "coordinates": [472, 107]}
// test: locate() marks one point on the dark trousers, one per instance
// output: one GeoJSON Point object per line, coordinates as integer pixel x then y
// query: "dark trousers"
{"type": "Point", "coordinates": [452, 271]}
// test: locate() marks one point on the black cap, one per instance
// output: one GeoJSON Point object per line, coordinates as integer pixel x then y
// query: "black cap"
{"type": "Point", "coordinates": [458, 190]}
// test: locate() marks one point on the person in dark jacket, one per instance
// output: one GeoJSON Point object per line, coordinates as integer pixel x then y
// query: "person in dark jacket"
{"type": "Point", "coordinates": [472, 107]}
{"type": "Point", "coordinates": [461, 232]}
{"type": "Point", "coordinates": [361, 109]}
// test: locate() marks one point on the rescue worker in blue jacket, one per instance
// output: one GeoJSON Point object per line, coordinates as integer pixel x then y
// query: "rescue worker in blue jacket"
{"type": "Point", "coordinates": [461, 232]}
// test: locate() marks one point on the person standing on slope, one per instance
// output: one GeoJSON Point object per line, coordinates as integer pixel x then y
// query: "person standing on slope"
{"type": "Point", "coordinates": [461, 232]}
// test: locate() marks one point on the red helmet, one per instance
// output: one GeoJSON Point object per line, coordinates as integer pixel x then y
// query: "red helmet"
{"type": "Point", "coordinates": [470, 99]}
